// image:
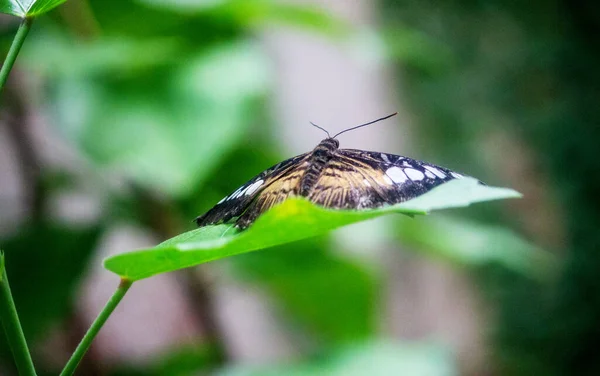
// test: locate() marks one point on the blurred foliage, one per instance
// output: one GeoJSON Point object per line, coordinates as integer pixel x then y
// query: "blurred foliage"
{"type": "Point", "coordinates": [376, 358]}
{"type": "Point", "coordinates": [529, 69]}
{"type": "Point", "coordinates": [475, 244]}
{"type": "Point", "coordinates": [139, 116]}
{"type": "Point", "coordinates": [372, 358]}
{"type": "Point", "coordinates": [311, 283]}
{"type": "Point", "coordinates": [188, 360]}
{"type": "Point", "coordinates": [170, 95]}
{"type": "Point", "coordinates": [45, 262]}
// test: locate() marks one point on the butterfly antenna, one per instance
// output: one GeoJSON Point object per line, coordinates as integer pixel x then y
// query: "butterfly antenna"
{"type": "Point", "coordinates": [323, 129]}
{"type": "Point", "coordinates": [364, 125]}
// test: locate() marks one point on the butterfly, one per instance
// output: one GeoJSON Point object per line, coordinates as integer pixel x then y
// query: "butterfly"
{"type": "Point", "coordinates": [333, 178]}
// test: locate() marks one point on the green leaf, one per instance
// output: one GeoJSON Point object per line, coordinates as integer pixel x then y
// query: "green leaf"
{"type": "Point", "coordinates": [28, 8]}
{"type": "Point", "coordinates": [293, 220]}
{"type": "Point", "coordinates": [373, 359]}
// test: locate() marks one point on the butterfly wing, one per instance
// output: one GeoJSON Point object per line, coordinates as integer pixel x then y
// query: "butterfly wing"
{"type": "Point", "coordinates": [280, 188]}
{"type": "Point", "coordinates": [357, 179]}
{"type": "Point", "coordinates": [352, 179]}
{"type": "Point", "coordinates": [272, 181]}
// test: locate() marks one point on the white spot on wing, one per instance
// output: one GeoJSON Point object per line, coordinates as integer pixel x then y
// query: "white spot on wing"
{"type": "Point", "coordinates": [366, 183]}
{"type": "Point", "coordinates": [387, 180]}
{"type": "Point", "coordinates": [385, 158]}
{"type": "Point", "coordinates": [414, 174]}
{"type": "Point", "coordinates": [223, 199]}
{"type": "Point", "coordinates": [437, 172]}
{"type": "Point", "coordinates": [236, 193]}
{"type": "Point", "coordinates": [244, 191]}
{"type": "Point", "coordinates": [251, 189]}
{"type": "Point", "coordinates": [456, 175]}
{"type": "Point", "coordinates": [396, 174]}
{"type": "Point", "coordinates": [429, 174]}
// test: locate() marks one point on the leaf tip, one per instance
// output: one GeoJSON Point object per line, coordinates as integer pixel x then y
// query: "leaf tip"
{"type": "Point", "coordinates": [517, 194]}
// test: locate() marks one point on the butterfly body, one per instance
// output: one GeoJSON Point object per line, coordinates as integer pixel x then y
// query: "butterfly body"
{"type": "Point", "coordinates": [318, 159]}
{"type": "Point", "coordinates": [333, 178]}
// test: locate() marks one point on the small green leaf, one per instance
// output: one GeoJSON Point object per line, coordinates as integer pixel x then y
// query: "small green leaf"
{"type": "Point", "coordinates": [28, 8]}
{"type": "Point", "coordinates": [293, 220]}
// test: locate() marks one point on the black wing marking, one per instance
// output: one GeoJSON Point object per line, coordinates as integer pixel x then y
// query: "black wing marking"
{"type": "Point", "coordinates": [237, 202]}
{"type": "Point", "coordinates": [357, 179]}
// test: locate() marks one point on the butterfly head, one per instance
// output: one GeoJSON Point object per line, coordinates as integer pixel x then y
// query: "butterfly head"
{"type": "Point", "coordinates": [326, 147]}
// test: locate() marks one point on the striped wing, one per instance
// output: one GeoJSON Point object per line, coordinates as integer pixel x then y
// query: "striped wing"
{"type": "Point", "coordinates": [258, 194]}
{"type": "Point", "coordinates": [357, 179]}
{"type": "Point", "coordinates": [284, 186]}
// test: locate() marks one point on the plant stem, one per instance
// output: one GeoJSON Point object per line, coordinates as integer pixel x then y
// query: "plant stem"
{"type": "Point", "coordinates": [85, 343]}
{"type": "Point", "coordinates": [14, 50]}
{"type": "Point", "coordinates": [12, 326]}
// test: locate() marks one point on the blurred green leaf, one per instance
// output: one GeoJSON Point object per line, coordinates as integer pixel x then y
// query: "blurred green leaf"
{"type": "Point", "coordinates": [373, 359]}
{"type": "Point", "coordinates": [310, 283]}
{"type": "Point", "coordinates": [303, 16]}
{"type": "Point", "coordinates": [167, 130]}
{"type": "Point", "coordinates": [182, 361]}
{"type": "Point", "coordinates": [293, 220]}
{"type": "Point", "coordinates": [185, 361]}
{"type": "Point", "coordinates": [260, 13]}
{"type": "Point", "coordinates": [417, 50]}
{"type": "Point", "coordinates": [57, 56]}
{"type": "Point", "coordinates": [28, 8]}
{"type": "Point", "coordinates": [44, 264]}
{"type": "Point", "coordinates": [475, 244]}
{"type": "Point", "coordinates": [184, 6]}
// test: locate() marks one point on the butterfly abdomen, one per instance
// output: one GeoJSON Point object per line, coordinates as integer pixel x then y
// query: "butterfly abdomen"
{"type": "Point", "coordinates": [319, 157]}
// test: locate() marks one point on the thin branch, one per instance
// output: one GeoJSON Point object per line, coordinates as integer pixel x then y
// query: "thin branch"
{"type": "Point", "coordinates": [12, 326]}
{"type": "Point", "coordinates": [14, 50]}
{"type": "Point", "coordinates": [85, 343]}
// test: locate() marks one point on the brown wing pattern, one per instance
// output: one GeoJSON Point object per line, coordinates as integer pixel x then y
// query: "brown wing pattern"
{"type": "Point", "coordinates": [242, 199]}
{"type": "Point", "coordinates": [357, 179]}
{"type": "Point", "coordinates": [279, 189]}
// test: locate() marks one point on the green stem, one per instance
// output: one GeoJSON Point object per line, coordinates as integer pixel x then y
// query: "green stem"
{"type": "Point", "coordinates": [14, 50]}
{"type": "Point", "coordinates": [85, 343]}
{"type": "Point", "coordinates": [12, 326]}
